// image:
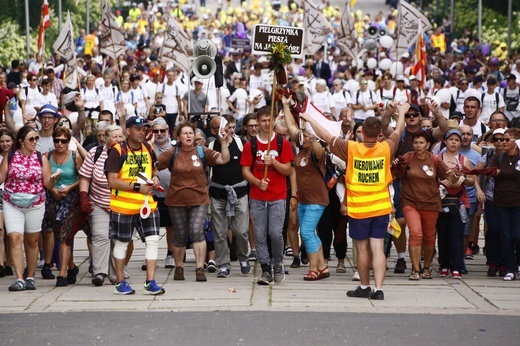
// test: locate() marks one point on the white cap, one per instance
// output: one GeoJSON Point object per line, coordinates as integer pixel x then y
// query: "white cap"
{"type": "Point", "coordinates": [400, 77]}
{"type": "Point", "coordinates": [405, 55]}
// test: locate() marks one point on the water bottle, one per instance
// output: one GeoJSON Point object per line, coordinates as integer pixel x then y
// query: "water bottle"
{"type": "Point", "coordinates": [62, 187]}
{"type": "Point", "coordinates": [442, 191]}
{"type": "Point", "coordinates": [463, 214]}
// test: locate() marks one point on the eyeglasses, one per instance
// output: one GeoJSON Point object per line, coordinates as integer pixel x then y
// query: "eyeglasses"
{"type": "Point", "coordinates": [198, 139]}
{"type": "Point", "coordinates": [157, 131]}
{"type": "Point", "coordinates": [464, 83]}
{"type": "Point", "coordinates": [33, 139]}
{"type": "Point", "coordinates": [411, 115]}
{"type": "Point", "coordinates": [59, 140]}
{"type": "Point", "coordinates": [498, 121]}
{"type": "Point", "coordinates": [501, 139]}
{"type": "Point", "coordinates": [34, 80]}
{"type": "Point", "coordinates": [252, 126]}
{"type": "Point", "coordinates": [507, 140]}
{"type": "Point", "coordinates": [363, 83]}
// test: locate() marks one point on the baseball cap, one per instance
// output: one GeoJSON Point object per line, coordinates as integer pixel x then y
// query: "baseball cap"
{"type": "Point", "coordinates": [155, 72]}
{"type": "Point", "coordinates": [511, 76]}
{"type": "Point", "coordinates": [159, 121]}
{"type": "Point", "coordinates": [136, 121]}
{"type": "Point", "coordinates": [412, 77]}
{"type": "Point", "coordinates": [400, 77]}
{"type": "Point", "coordinates": [301, 79]}
{"type": "Point", "coordinates": [453, 132]}
{"type": "Point", "coordinates": [416, 107]}
{"type": "Point", "coordinates": [69, 97]}
{"type": "Point", "coordinates": [499, 131]}
{"type": "Point", "coordinates": [49, 109]}
{"type": "Point", "coordinates": [456, 115]}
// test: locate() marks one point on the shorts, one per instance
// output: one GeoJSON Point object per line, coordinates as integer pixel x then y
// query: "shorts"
{"type": "Point", "coordinates": [397, 200]}
{"type": "Point", "coordinates": [471, 213]}
{"type": "Point", "coordinates": [164, 213]}
{"type": "Point", "coordinates": [1, 200]}
{"type": "Point", "coordinates": [23, 220]}
{"type": "Point", "coordinates": [372, 227]}
{"type": "Point", "coordinates": [122, 226]}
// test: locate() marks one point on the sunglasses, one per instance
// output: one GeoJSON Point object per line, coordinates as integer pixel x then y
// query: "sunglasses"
{"type": "Point", "coordinates": [34, 80]}
{"type": "Point", "coordinates": [157, 131]}
{"type": "Point", "coordinates": [58, 140]}
{"type": "Point", "coordinates": [33, 139]}
{"type": "Point", "coordinates": [501, 139]}
{"type": "Point", "coordinates": [363, 83]}
{"type": "Point", "coordinates": [464, 83]}
{"type": "Point", "coordinates": [411, 115]}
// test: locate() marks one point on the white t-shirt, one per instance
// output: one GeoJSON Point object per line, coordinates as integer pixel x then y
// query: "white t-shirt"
{"type": "Point", "coordinates": [323, 101]}
{"type": "Point", "coordinates": [489, 105]}
{"type": "Point", "coordinates": [139, 97]}
{"type": "Point", "coordinates": [255, 83]}
{"type": "Point", "coordinates": [50, 99]}
{"type": "Point", "coordinates": [108, 94]}
{"type": "Point", "coordinates": [367, 98]}
{"type": "Point", "coordinates": [459, 96]}
{"type": "Point", "coordinates": [341, 100]}
{"type": "Point", "coordinates": [33, 99]}
{"type": "Point", "coordinates": [151, 88]}
{"type": "Point", "coordinates": [170, 93]}
{"type": "Point", "coordinates": [239, 97]}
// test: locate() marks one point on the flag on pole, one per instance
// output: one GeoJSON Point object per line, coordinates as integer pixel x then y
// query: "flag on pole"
{"type": "Point", "coordinates": [177, 46]}
{"type": "Point", "coordinates": [45, 23]}
{"type": "Point", "coordinates": [408, 19]}
{"type": "Point", "coordinates": [317, 27]}
{"type": "Point", "coordinates": [332, 127]}
{"type": "Point", "coordinates": [347, 36]}
{"type": "Point", "coordinates": [65, 46]}
{"type": "Point", "coordinates": [113, 41]}
{"type": "Point", "coordinates": [419, 68]}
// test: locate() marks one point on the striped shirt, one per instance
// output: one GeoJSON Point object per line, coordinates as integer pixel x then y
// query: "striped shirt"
{"type": "Point", "coordinates": [99, 191]}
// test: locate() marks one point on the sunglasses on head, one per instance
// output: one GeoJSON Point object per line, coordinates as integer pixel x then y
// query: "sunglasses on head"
{"type": "Point", "coordinates": [411, 115]}
{"type": "Point", "coordinates": [157, 131]}
{"type": "Point", "coordinates": [33, 139]}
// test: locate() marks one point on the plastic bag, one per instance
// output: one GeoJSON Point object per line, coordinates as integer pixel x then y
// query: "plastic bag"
{"type": "Point", "coordinates": [393, 228]}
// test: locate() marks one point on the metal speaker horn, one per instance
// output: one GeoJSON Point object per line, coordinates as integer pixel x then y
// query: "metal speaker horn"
{"type": "Point", "coordinates": [373, 31]}
{"type": "Point", "coordinates": [204, 67]}
{"type": "Point", "coordinates": [205, 47]}
{"type": "Point", "coordinates": [382, 32]}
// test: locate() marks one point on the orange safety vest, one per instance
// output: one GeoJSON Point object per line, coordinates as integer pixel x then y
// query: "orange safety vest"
{"type": "Point", "coordinates": [439, 41]}
{"type": "Point", "coordinates": [367, 178]}
{"type": "Point", "coordinates": [130, 202]}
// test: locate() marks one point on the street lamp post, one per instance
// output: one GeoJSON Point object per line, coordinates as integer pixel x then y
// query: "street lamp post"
{"type": "Point", "coordinates": [27, 28]}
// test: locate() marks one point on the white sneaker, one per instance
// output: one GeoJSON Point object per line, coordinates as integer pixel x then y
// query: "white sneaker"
{"type": "Point", "coordinates": [40, 264]}
{"type": "Point", "coordinates": [126, 275]}
{"type": "Point", "coordinates": [355, 277]}
{"type": "Point", "coordinates": [168, 262]}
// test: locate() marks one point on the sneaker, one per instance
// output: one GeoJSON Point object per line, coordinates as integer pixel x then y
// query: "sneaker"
{"type": "Point", "coordinates": [29, 284]}
{"type": "Point", "coordinates": [456, 275]}
{"type": "Point", "coordinates": [475, 249]}
{"type": "Point", "coordinates": [179, 274]}
{"type": "Point", "coordinates": [360, 293]}
{"type": "Point", "coordinates": [304, 258]}
{"type": "Point", "coordinates": [295, 263]}
{"type": "Point", "coordinates": [8, 271]}
{"type": "Point", "coordinates": [492, 270]}
{"type": "Point", "coordinates": [126, 274]}
{"type": "Point", "coordinates": [40, 264]}
{"type": "Point", "coordinates": [212, 266]}
{"type": "Point", "coordinates": [444, 272]}
{"type": "Point", "coordinates": [509, 277]}
{"type": "Point", "coordinates": [469, 254]}
{"type": "Point", "coordinates": [2, 271]}
{"type": "Point", "coordinates": [98, 280]}
{"type": "Point", "coordinates": [46, 273]}
{"type": "Point", "coordinates": [223, 272]}
{"type": "Point", "coordinates": [245, 267]}
{"type": "Point", "coordinates": [72, 275]}
{"type": "Point", "coordinates": [168, 262]}
{"type": "Point", "coordinates": [279, 274]}
{"type": "Point", "coordinates": [152, 288]}
{"type": "Point", "coordinates": [400, 266]}
{"type": "Point", "coordinates": [252, 256]}
{"type": "Point", "coordinates": [265, 279]}
{"type": "Point", "coordinates": [123, 288]}
{"type": "Point", "coordinates": [377, 295]}
{"type": "Point", "coordinates": [355, 277]}
{"type": "Point", "coordinates": [199, 275]}
{"type": "Point", "coordinates": [91, 269]}
{"type": "Point", "coordinates": [18, 285]}
{"type": "Point", "coordinates": [61, 281]}
{"type": "Point", "coordinates": [288, 251]}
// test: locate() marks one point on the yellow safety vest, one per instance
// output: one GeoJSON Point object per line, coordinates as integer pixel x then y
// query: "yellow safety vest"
{"type": "Point", "coordinates": [130, 202]}
{"type": "Point", "coordinates": [367, 178]}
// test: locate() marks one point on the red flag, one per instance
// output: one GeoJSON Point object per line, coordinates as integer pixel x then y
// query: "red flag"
{"type": "Point", "coordinates": [419, 69]}
{"type": "Point", "coordinates": [45, 23]}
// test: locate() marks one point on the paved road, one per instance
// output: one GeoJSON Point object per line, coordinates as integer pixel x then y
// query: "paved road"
{"type": "Point", "coordinates": [255, 328]}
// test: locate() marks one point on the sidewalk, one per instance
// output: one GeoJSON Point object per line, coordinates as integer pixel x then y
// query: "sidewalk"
{"type": "Point", "coordinates": [475, 294]}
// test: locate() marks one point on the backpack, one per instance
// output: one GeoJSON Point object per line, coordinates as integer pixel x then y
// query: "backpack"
{"type": "Point", "coordinates": [97, 154]}
{"type": "Point", "coordinates": [240, 145]}
{"type": "Point", "coordinates": [11, 154]}
{"type": "Point", "coordinates": [482, 102]}
{"type": "Point", "coordinates": [254, 148]}
{"type": "Point", "coordinates": [26, 89]}
{"type": "Point", "coordinates": [381, 92]}
{"type": "Point", "coordinates": [331, 177]}
{"type": "Point", "coordinates": [119, 95]}
{"type": "Point", "coordinates": [511, 103]}
{"type": "Point", "coordinates": [200, 153]}
{"type": "Point", "coordinates": [85, 90]}
{"type": "Point", "coordinates": [370, 93]}
{"type": "Point", "coordinates": [49, 154]}
{"type": "Point", "coordinates": [453, 102]}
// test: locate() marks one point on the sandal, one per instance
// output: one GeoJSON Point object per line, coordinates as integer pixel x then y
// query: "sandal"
{"type": "Point", "coordinates": [427, 273]}
{"type": "Point", "coordinates": [312, 275]}
{"type": "Point", "coordinates": [414, 276]}
{"type": "Point", "coordinates": [324, 273]}
{"type": "Point", "coordinates": [340, 268]}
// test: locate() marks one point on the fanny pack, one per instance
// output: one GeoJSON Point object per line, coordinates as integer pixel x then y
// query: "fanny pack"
{"type": "Point", "coordinates": [22, 200]}
{"type": "Point", "coordinates": [450, 205]}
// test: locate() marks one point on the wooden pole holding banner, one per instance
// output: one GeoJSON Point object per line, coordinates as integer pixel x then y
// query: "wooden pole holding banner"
{"type": "Point", "coordinates": [271, 124]}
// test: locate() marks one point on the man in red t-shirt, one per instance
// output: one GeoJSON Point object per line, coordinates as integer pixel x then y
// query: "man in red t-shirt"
{"type": "Point", "coordinates": [268, 195]}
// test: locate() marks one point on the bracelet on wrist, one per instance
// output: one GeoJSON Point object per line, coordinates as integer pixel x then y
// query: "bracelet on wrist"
{"type": "Point", "coordinates": [295, 197]}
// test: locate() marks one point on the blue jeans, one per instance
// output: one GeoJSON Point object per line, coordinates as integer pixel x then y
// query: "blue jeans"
{"type": "Point", "coordinates": [309, 215]}
{"type": "Point", "coordinates": [510, 224]}
{"type": "Point", "coordinates": [268, 219]}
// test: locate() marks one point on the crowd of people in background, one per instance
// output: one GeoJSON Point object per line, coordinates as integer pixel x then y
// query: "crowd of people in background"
{"type": "Point", "coordinates": [455, 160]}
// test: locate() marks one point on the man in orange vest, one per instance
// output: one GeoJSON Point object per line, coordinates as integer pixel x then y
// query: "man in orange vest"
{"type": "Point", "coordinates": [439, 40]}
{"type": "Point", "coordinates": [131, 206]}
{"type": "Point", "coordinates": [368, 202]}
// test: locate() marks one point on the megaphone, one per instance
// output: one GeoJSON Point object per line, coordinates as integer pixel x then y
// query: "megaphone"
{"type": "Point", "coordinates": [204, 67]}
{"type": "Point", "coordinates": [382, 32]}
{"type": "Point", "coordinates": [205, 47]}
{"type": "Point", "coordinates": [373, 31]}
{"type": "Point", "coordinates": [369, 44]}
